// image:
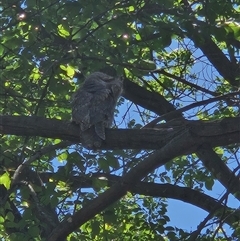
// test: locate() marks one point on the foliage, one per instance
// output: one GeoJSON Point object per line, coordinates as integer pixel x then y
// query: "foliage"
{"type": "Point", "coordinates": [173, 55]}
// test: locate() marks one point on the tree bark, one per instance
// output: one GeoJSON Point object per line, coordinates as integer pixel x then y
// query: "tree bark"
{"type": "Point", "coordinates": [214, 133]}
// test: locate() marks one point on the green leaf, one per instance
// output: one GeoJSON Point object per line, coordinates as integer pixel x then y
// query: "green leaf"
{"type": "Point", "coordinates": [95, 228]}
{"type": "Point", "coordinates": [9, 217]}
{"type": "Point", "coordinates": [209, 183]}
{"type": "Point", "coordinates": [138, 37]}
{"type": "Point", "coordinates": [63, 156]}
{"type": "Point", "coordinates": [62, 31]}
{"type": "Point", "coordinates": [1, 49]}
{"type": "Point", "coordinates": [99, 183]}
{"type": "Point", "coordinates": [34, 231]}
{"type": "Point", "coordinates": [5, 180]}
{"type": "Point", "coordinates": [2, 220]}
{"type": "Point", "coordinates": [103, 164]}
{"type": "Point", "coordinates": [145, 64]}
{"type": "Point", "coordinates": [131, 9]}
{"type": "Point", "coordinates": [70, 71]}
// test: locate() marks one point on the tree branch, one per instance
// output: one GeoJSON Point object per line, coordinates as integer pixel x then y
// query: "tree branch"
{"type": "Point", "coordinates": [184, 194]}
{"type": "Point", "coordinates": [214, 133]}
{"type": "Point", "coordinates": [219, 170]}
{"type": "Point", "coordinates": [189, 107]}
{"type": "Point", "coordinates": [172, 149]}
{"type": "Point", "coordinates": [228, 70]}
{"type": "Point", "coordinates": [147, 99]}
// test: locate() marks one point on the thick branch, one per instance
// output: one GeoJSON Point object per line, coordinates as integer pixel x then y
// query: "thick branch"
{"type": "Point", "coordinates": [220, 170]}
{"type": "Point", "coordinates": [190, 196]}
{"type": "Point", "coordinates": [149, 100]}
{"type": "Point", "coordinates": [184, 194]}
{"type": "Point", "coordinates": [228, 70]}
{"type": "Point", "coordinates": [172, 149]}
{"type": "Point", "coordinates": [215, 133]}
{"type": "Point", "coordinates": [118, 190]}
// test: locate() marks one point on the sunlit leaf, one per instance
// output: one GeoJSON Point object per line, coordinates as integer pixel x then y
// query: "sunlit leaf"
{"type": "Point", "coordinates": [5, 180]}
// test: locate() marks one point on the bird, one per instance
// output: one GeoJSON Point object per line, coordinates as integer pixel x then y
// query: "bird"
{"type": "Point", "coordinates": [93, 106]}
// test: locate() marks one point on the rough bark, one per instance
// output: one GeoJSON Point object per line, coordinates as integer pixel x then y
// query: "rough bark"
{"type": "Point", "coordinates": [214, 133]}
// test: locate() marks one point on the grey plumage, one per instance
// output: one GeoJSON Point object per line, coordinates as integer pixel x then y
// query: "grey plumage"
{"type": "Point", "coordinates": [93, 107]}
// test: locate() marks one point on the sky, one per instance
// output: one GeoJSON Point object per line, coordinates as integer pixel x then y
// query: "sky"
{"type": "Point", "coordinates": [184, 215]}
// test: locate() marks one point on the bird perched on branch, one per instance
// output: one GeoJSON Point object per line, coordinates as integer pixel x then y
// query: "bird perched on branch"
{"type": "Point", "coordinates": [93, 107]}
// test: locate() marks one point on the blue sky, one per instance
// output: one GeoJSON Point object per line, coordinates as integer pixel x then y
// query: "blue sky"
{"type": "Point", "coordinates": [184, 215]}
